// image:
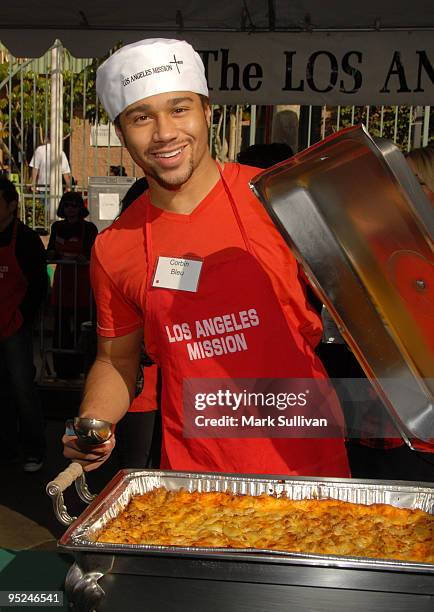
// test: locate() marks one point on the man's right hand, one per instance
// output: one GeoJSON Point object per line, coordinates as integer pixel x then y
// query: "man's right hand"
{"type": "Point", "coordinates": [90, 457]}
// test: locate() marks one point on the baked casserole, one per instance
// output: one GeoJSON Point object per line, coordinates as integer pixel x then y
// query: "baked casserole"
{"type": "Point", "coordinates": [223, 520]}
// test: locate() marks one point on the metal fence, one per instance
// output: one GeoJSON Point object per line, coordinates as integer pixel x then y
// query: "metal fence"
{"type": "Point", "coordinates": [28, 89]}
{"type": "Point", "coordinates": [67, 335]}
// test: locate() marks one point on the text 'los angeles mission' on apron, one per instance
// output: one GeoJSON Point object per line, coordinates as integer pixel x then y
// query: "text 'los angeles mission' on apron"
{"type": "Point", "coordinates": [231, 280]}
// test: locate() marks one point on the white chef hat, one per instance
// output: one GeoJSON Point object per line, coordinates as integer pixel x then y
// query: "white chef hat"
{"type": "Point", "coordinates": [146, 68]}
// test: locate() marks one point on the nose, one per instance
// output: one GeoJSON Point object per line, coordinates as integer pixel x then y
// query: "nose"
{"type": "Point", "coordinates": [165, 128]}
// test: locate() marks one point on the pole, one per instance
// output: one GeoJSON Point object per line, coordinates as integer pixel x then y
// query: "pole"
{"type": "Point", "coordinates": [56, 127]}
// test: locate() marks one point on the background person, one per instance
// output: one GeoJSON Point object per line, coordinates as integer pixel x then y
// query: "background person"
{"type": "Point", "coordinates": [138, 433]}
{"type": "Point", "coordinates": [118, 171]}
{"type": "Point", "coordinates": [71, 240]}
{"type": "Point", "coordinates": [265, 155]}
{"type": "Point", "coordinates": [23, 287]}
{"type": "Point", "coordinates": [194, 207]}
{"type": "Point", "coordinates": [41, 166]}
{"type": "Point", "coordinates": [421, 161]}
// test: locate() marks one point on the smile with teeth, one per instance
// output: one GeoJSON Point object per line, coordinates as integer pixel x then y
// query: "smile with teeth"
{"type": "Point", "coordinates": [169, 153]}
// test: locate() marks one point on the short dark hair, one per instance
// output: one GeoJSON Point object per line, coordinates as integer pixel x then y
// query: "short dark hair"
{"type": "Point", "coordinates": [118, 171]}
{"type": "Point", "coordinates": [204, 100]}
{"type": "Point", "coordinates": [134, 192]}
{"type": "Point", "coordinates": [9, 191]}
{"type": "Point", "coordinates": [265, 155]}
{"type": "Point", "coordinates": [72, 196]}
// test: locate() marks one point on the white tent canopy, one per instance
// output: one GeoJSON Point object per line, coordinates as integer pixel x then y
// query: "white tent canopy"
{"type": "Point", "coordinates": [256, 51]}
{"type": "Point", "coordinates": [89, 29]}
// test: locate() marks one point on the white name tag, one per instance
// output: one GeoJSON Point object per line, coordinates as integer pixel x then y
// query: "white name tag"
{"type": "Point", "coordinates": [177, 273]}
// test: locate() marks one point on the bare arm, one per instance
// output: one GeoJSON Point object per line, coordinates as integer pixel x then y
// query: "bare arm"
{"type": "Point", "coordinates": [108, 393]}
{"type": "Point", "coordinates": [67, 177]}
{"type": "Point", "coordinates": [35, 172]}
{"type": "Point", "coordinates": [111, 382]}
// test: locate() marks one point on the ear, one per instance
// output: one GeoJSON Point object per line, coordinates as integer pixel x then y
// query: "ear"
{"type": "Point", "coordinates": [119, 133]}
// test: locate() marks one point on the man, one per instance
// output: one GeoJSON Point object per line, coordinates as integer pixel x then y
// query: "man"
{"type": "Point", "coordinates": [195, 215]}
{"type": "Point", "coordinates": [118, 171]}
{"type": "Point", "coordinates": [40, 164]}
{"type": "Point", "coordinates": [23, 286]}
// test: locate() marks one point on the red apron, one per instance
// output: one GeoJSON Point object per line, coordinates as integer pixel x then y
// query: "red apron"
{"type": "Point", "coordinates": [13, 287]}
{"type": "Point", "coordinates": [71, 278]}
{"type": "Point", "coordinates": [232, 280]}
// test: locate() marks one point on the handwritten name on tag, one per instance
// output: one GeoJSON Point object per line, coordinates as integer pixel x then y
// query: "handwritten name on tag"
{"type": "Point", "coordinates": [177, 273]}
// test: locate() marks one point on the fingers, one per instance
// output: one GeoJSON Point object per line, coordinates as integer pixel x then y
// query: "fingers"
{"type": "Point", "coordinates": [90, 457]}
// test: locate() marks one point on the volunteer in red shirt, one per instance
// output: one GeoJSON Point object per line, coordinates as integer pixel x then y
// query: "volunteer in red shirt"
{"type": "Point", "coordinates": [23, 287]}
{"type": "Point", "coordinates": [241, 276]}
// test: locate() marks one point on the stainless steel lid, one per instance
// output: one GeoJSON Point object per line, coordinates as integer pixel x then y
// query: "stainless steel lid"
{"type": "Point", "coordinates": [360, 225]}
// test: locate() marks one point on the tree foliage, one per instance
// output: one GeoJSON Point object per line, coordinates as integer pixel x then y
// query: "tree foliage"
{"type": "Point", "coordinates": [396, 123]}
{"type": "Point", "coordinates": [25, 101]}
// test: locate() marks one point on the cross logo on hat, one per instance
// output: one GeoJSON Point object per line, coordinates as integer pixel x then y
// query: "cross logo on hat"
{"type": "Point", "coordinates": [176, 62]}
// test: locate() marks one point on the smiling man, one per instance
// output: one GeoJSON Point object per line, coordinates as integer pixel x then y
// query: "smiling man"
{"type": "Point", "coordinates": [167, 136]}
{"type": "Point", "coordinates": [196, 267]}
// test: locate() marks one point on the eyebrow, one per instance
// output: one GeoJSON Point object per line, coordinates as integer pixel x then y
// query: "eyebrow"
{"type": "Point", "coordinates": [146, 108]}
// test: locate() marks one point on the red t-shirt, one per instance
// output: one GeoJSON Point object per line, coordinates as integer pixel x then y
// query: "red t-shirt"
{"type": "Point", "coordinates": [119, 259]}
{"type": "Point", "coordinates": [119, 272]}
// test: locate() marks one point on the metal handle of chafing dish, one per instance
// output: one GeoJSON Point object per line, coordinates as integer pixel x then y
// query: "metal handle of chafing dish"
{"type": "Point", "coordinates": [73, 474]}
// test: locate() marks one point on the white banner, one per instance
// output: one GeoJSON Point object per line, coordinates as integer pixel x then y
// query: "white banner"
{"type": "Point", "coordinates": [377, 68]}
{"type": "Point", "coordinates": [390, 68]}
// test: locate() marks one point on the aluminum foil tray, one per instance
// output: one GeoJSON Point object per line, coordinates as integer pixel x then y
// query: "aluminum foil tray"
{"type": "Point", "coordinates": [81, 535]}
